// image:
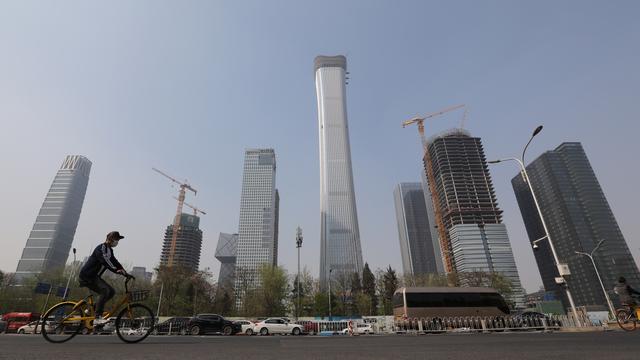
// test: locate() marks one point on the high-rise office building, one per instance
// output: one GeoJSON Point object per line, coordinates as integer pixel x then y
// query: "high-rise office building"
{"type": "Point", "coordinates": [50, 239]}
{"type": "Point", "coordinates": [141, 273]}
{"type": "Point", "coordinates": [188, 243]}
{"type": "Point", "coordinates": [416, 245]}
{"type": "Point", "coordinates": [226, 253]}
{"type": "Point", "coordinates": [259, 202]}
{"type": "Point", "coordinates": [431, 218]}
{"type": "Point", "coordinates": [340, 250]}
{"type": "Point", "coordinates": [473, 236]}
{"type": "Point", "coordinates": [578, 216]}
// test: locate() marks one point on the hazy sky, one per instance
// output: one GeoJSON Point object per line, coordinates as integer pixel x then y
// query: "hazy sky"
{"type": "Point", "coordinates": [186, 86]}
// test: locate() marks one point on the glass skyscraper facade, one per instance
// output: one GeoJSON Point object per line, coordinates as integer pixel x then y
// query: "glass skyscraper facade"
{"type": "Point", "coordinates": [52, 234]}
{"type": "Point", "coordinates": [418, 250]}
{"type": "Point", "coordinates": [340, 250]}
{"type": "Point", "coordinates": [578, 216]}
{"type": "Point", "coordinates": [259, 202]}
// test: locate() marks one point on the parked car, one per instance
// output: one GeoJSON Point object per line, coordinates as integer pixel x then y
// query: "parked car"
{"type": "Point", "coordinates": [360, 329]}
{"type": "Point", "coordinates": [15, 320]}
{"type": "Point", "coordinates": [247, 326]}
{"type": "Point", "coordinates": [277, 326]}
{"type": "Point", "coordinates": [173, 325]}
{"type": "Point", "coordinates": [212, 323]}
{"type": "Point", "coordinates": [30, 327]}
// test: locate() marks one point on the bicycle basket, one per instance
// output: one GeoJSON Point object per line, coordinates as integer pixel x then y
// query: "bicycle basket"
{"type": "Point", "coordinates": [139, 295]}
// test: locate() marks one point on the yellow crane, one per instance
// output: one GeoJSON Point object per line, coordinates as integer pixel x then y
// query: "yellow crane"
{"type": "Point", "coordinates": [184, 186]}
{"type": "Point", "coordinates": [420, 120]}
{"type": "Point", "coordinates": [195, 209]}
{"type": "Point", "coordinates": [442, 234]}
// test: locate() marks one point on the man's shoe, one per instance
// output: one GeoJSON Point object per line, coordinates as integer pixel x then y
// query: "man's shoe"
{"type": "Point", "coordinates": [100, 321]}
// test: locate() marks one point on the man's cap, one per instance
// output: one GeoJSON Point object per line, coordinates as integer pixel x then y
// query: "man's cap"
{"type": "Point", "coordinates": [114, 235]}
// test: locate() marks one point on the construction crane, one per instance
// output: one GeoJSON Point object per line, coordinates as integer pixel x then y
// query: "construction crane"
{"type": "Point", "coordinates": [195, 209]}
{"type": "Point", "coordinates": [420, 120]}
{"type": "Point", "coordinates": [464, 117]}
{"type": "Point", "coordinates": [444, 244]}
{"type": "Point", "coordinates": [184, 186]}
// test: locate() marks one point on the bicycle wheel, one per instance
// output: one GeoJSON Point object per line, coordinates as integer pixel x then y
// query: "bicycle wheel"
{"type": "Point", "coordinates": [62, 322]}
{"type": "Point", "coordinates": [626, 320]}
{"type": "Point", "coordinates": [134, 323]}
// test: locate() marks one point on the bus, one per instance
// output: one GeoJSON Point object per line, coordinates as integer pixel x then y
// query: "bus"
{"type": "Point", "coordinates": [418, 302]}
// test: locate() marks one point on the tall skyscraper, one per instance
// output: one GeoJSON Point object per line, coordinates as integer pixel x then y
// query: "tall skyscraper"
{"type": "Point", "coordinates": [578, 216]}
{"type": "Point", "coordinates": [340, 250]}
{"type": "Point", "coordinates": [416, 245]}
{"type": "Point", "coordinates": [226, 253]}
{"type": "Point", "coordinates": [257, 236]}
{"type": "Point", "coordinates": [50, 239]}
{"type": "Point", "coordinates": [188, 243]}
{"type": "Point", "coordinates": [474, 237]}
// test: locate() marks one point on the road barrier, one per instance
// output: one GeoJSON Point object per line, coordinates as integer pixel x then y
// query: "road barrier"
{"type": "Point", "coordinates": [490, 324]}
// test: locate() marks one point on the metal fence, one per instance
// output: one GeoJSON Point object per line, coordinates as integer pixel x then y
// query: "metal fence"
{"type": "Point", "coordinates": [490, 324]}
{"type": "Point", "coordinates": [388, 325]}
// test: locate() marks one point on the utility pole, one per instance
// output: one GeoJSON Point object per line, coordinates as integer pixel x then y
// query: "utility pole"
{"type": "Point", "coordinates": [160, 299]}
{"type": "Point", "coordinates": [604, 291]}
{"type": "Point", "coordinates": [298, 246]}
{"type": "Point", "coordinates": [73, 270]}
{"type": "Point", "coordinates": [330, 270]}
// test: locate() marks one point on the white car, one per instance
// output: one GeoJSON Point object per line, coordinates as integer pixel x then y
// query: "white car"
{"type": "Point", "coordinates": [277, 326]}
{"type": "Point", "coordinates": [365, 329]}
{"type": "Point", "coordinates": [29, 328]}
{"type": "Point", "coordinates": [247, 326]}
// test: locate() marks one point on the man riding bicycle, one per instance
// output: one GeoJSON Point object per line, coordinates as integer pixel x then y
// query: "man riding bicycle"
{"type": "Point", "coordinates": [625, 293]}
{"type": "Point", "coordinates": [101, 259]}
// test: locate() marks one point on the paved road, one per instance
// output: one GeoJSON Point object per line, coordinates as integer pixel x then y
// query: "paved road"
{"type": "Point", "coordinates": [610, 345]}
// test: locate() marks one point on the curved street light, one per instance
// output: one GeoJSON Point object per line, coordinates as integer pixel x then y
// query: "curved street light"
{"type": "Point", "coordinates": [562, 268]}
{"type": "Point", "coordinates": [606, 295]}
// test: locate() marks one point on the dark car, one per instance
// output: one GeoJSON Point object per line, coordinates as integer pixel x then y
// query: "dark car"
{"type": "Point", "coordinates": [174, 325]}
{"type": "Point", "coordinates": [212, 323]}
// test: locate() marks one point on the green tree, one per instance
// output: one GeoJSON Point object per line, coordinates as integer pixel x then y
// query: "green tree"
{"type": "Point", "coordinates": [356, 284]}
{"type": "Point", "coordinates": [274, 288]}
{"type": "Point", "coordinates": [389, 284]}
{"type": "Point", "coordinates": [369, 288]}
{"type": "Point", "coordinates": [306, 289]}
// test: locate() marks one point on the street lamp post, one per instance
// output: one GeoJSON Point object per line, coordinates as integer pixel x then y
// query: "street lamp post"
{"type": "Point", "coordinates": [73, 270]}
{"type": "Point", "coordinates": [330, 270]}
{"type": "Point", "coordinates": [590, 256]}
{"type": "Point", "coordinates": [298, 246]}
{"type": "Point", "coordinates": [562, 268]}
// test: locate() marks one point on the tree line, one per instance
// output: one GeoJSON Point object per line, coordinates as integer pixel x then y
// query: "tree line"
{"type": "Point", "coordinates": [178, 291]}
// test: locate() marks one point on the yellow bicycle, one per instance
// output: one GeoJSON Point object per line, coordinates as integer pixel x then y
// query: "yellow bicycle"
{"type": "Point", "coordinates": [67, 319]}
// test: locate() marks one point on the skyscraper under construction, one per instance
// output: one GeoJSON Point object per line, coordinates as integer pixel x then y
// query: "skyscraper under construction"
{"type": "Point", "coordinates": [188, 243]}
{"type": "Point", "coordinates": [471, 233]}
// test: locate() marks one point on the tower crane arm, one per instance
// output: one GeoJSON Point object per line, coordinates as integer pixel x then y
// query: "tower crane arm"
{"type": "Point", "coordinates": [182, 184]}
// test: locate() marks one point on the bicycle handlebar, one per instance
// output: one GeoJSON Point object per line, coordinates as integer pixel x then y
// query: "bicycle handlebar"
{"type": "Point", "coordinates": [126, 282]}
